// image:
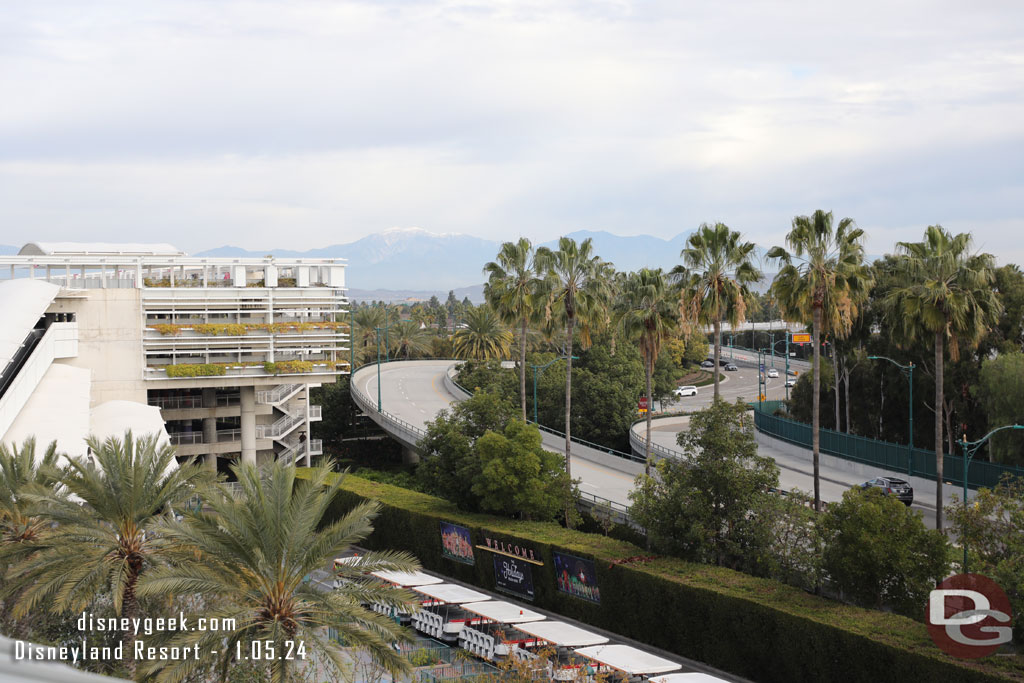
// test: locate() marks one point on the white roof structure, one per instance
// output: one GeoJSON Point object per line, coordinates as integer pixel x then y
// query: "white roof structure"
{"type": "Point", "coordinates": [407, 579]}
{"type": "Point", "coordinates": [22, 303]}
{"type": "Point", "coordinates": [562, 634]}
{"type": "Point", "coordinates": [628, 659]}
{"type": "Point", "coordinates": [692, 677]}
{"type": "Point", "coordinates": [114, 418]}
{"type": "Point", "coordinates": [58, 410]}
{"type": "Point", "coordinates": [98, 249]}
{"type": "Point", "coordinates": [503, 612]}
{"type": "Point", "coordinates": [451, 594]}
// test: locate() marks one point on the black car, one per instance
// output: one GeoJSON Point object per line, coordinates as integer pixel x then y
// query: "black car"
{"type": "Point", "coordinates": [891, 486]}
{"type": "Point", "coordinates": [722, 363]}
{"type": "Point", "coordinates": [708, 364]}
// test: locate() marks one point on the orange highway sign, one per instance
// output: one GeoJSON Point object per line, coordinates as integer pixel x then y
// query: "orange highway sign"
{"type": "Point", "coordinates": [803, 338]}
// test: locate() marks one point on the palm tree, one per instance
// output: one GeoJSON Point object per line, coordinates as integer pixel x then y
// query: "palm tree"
{"type": "Point", "coordinates": [407, 339]}
{"type": "Point", "coordinates": [649, 314]}
{"type": "Point", "coordinates": [945, 292]}
{"type": "Point", "coordinates": [22, 473]}
{"type": "Point", "coordinates": [367, 319]}
{"type": "Point", "coordinates": [821, 282]}
{"type": "Point", "coordinates": [484, 336]}
{"type": "Point", "coordinates": [257, 546]}
{"type": "Point", "coordinates": [103, 540]}
{"type": "Point", "coordinates": [577, 284]}
{"type": "Point", "coordinates": [512, 290]}
{"type": "Point", "coordinates": [716, 270]}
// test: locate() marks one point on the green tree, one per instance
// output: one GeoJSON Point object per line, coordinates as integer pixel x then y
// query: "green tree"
{"type": "Point", "coordinates": [255, 550]}
{"type": "Point", "coordinates": [513, 291]}
{"type": "Point", "coordinates": [450, 463]}
{"type": "Point", "coordinates": [945, 293]}
{"type": "Point", "coordinates": [650, 314]}
{"type": "Point", "coordinates": [716, 270]}
{"type": "Point", "coordinates": [576, 281]}
{"type": "Point", "coordinates": [879, 552]}
{"type": "Point", "coordinates": [820, 283]}
{"type": "Point", "coordinates": [104, 538]}
{"type": "Point", "coordinates": [483, 337]}
{"type": "Point", "coordinates": [367, 320]}
{"type": "Point", "coordinates": [699, 507]}
{"type": "Point", "coordinates": [992, 528]}
{"type": "Point", "coordinates": [23, 473]}
{"type": "Point", "coordinates": [408, 340]}
{"type": "Point", "coordinates": [1001, 394]}
{"type": "Point", "coordinates": [517, 476]}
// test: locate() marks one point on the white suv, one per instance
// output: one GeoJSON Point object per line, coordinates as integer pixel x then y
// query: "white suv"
{"type": "Point", "coordinates": [685, 391]}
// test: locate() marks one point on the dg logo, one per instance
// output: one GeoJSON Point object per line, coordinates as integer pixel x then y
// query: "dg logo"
{"type": "Point", "coordinates": [969, 616]}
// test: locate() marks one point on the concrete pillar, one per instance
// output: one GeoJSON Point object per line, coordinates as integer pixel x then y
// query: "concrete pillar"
{"type": "Point", "coordinates": [409, 456]}
{"type": "Point", "coordinates": [309, 431]}
{"type": "Point", "coordinates": [210, 425]}
{"type": "Point", "coordinates": [248, 424]}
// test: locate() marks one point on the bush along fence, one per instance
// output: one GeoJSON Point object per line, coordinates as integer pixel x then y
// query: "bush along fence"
{"type": "Point", "coordinates": [752, 627]}
{"type": "Point", "coordinates": [891, 456]}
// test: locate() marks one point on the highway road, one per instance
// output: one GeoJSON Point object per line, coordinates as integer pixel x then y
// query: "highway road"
{"type": "Point", "coordinates": [415, 391]}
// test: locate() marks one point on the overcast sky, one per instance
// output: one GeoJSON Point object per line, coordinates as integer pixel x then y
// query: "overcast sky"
{"type": "Point", "coordinates": [303, 124]}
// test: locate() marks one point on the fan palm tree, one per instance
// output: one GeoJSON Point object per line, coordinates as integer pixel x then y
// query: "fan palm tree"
{"type": "Point", "coordinates": [257, 546]}
{"type": "Point", "coordinates": [513, 291]}
{"type": "Point", "coordinates": [945, 293]}
{"type": "Point", "coordinates": [407, 339]}
{"type": "Point", "coordinates": [367, 319]}
{"type": "Point", "coordinates": [717, 268]}
{"type": "Point", "coordinates": [577, 284]}
{"type": "Point", "coordinates": [650, 314]}
{"type": "Point", "coordinates": [484, 336]}
{"type": "Point", "coordinates": [820, 282]}
{"type": "Point", "coordinates": [103, 540]}
{"type": "Point", "coordinates": [21, 473]}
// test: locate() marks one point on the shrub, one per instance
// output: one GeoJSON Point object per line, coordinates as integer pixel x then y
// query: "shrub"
{"type": "Point", "coordinates": [228, 329]}
{"type": "Point", "coordinates": [196, 370]}
{"type": "Point", "coordinates": [167, 330]}
{"type": "Point", "coordinates": [288, 367]}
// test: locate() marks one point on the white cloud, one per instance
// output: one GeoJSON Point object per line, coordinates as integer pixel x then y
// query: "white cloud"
{"type": "Point", "coordinates": [308, 123]}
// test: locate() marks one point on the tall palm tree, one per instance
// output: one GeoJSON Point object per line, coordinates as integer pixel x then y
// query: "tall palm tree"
{"type": "Point", "coordinates": [21, 474]}
{"type": "Point", "coordinates": [577, 284]}
{"type": "Point", "coordinates": [103, 540]}
{"type": "Point", "coordinates": [946, 293]}
{"type": "Point", "coordinates": [820, 282]}
{"type": "Point", "coordinates": [513, 291]}
{"type": "Point", "coordinates": [407, 339]}
{"type": "Point", "coordinates": [257, 546]}
{"type": "Point", "coordinates": [649, 314]}
{"type": "Point", "coordinates": [484, 336]}
{"type": "Point", "coordinates": [367, 319]}
{"type": "Point", "coordinates": [717, 268]}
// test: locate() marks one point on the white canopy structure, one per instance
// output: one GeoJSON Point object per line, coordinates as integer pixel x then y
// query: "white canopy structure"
{"type": "Point", "coordinates": [407, 579]}
{"type": "Point", "coordinates": [451, 594]}
{"type": "Point", "coordinates": [503, 612]}
{"type": "Point", "coordinates": [58, 410]}
{"type": "Point", "coordinates": [561, 634]}
{"type": "Point", "coordinates": [692, 677]}
{"type": "Point", "coordinates": [114, 418]}
{"type": "Point", "coordinates": [98, 248]}
{"type": "Point", "coordinates": [628, 659]}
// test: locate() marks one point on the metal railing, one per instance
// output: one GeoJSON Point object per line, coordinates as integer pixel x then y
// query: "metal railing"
{"type": "Point", "coordinates": [316, 412]}
{"type": "Point", "coordinates": [177, 402]}
{"type": "Point", "coordinates": [277, 394]}
{"type": "Point", "coordinates": [884, 454]}
{"type": "Point", "coordinates": [185, 438]}
{"type": "Point", "coordinates": [279, 428]}
{"type": "Point", "coordinates": [639, 443]}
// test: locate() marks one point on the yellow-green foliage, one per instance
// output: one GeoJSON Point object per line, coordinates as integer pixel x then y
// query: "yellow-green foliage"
{"type": "Point", "coordinates": [196, 370]}
{"type": "Point", "coordinates": [164, 329]}
{"type": "Point", "coordinates": [227, 329]}
{"type": "Point", "coordinates": [288, 367]}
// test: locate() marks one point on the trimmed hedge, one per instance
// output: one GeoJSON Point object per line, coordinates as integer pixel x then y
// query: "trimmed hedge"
{"type": "Point", "coordinates": [757, 628]}
{"type": "Point", "coordinates": [196, 370]}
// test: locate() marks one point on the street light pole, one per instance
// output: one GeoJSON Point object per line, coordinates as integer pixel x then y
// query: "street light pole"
{"type": "Point", "coordinates": [969, 449]}
{"type": "Point", "coordinates": [378, 369]}
{"type": "Point", "coordinates": [907, 370]}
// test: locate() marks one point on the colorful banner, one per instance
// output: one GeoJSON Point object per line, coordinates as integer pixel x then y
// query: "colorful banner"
{"type": "Point", "coordinates": [577, 577]}
{"type": "Point", "coordinates": [455, 543]}
{"type": "Point", "coordinates": [513, 576]}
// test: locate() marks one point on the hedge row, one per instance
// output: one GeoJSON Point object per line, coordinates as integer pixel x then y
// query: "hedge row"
{"type": "Point", "coordinates": [756, 628]}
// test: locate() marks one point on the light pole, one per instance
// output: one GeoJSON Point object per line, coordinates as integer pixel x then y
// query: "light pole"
{"type": "Point", "coordinates": [970, 448]}
{"type": "Point", "coordinates": [542, 368]}
{"type": "Point", "coordinates": [907, 370]}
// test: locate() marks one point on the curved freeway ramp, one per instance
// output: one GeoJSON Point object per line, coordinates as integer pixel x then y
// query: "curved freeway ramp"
{"type": "Point", "coordinates": [413, 392]}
